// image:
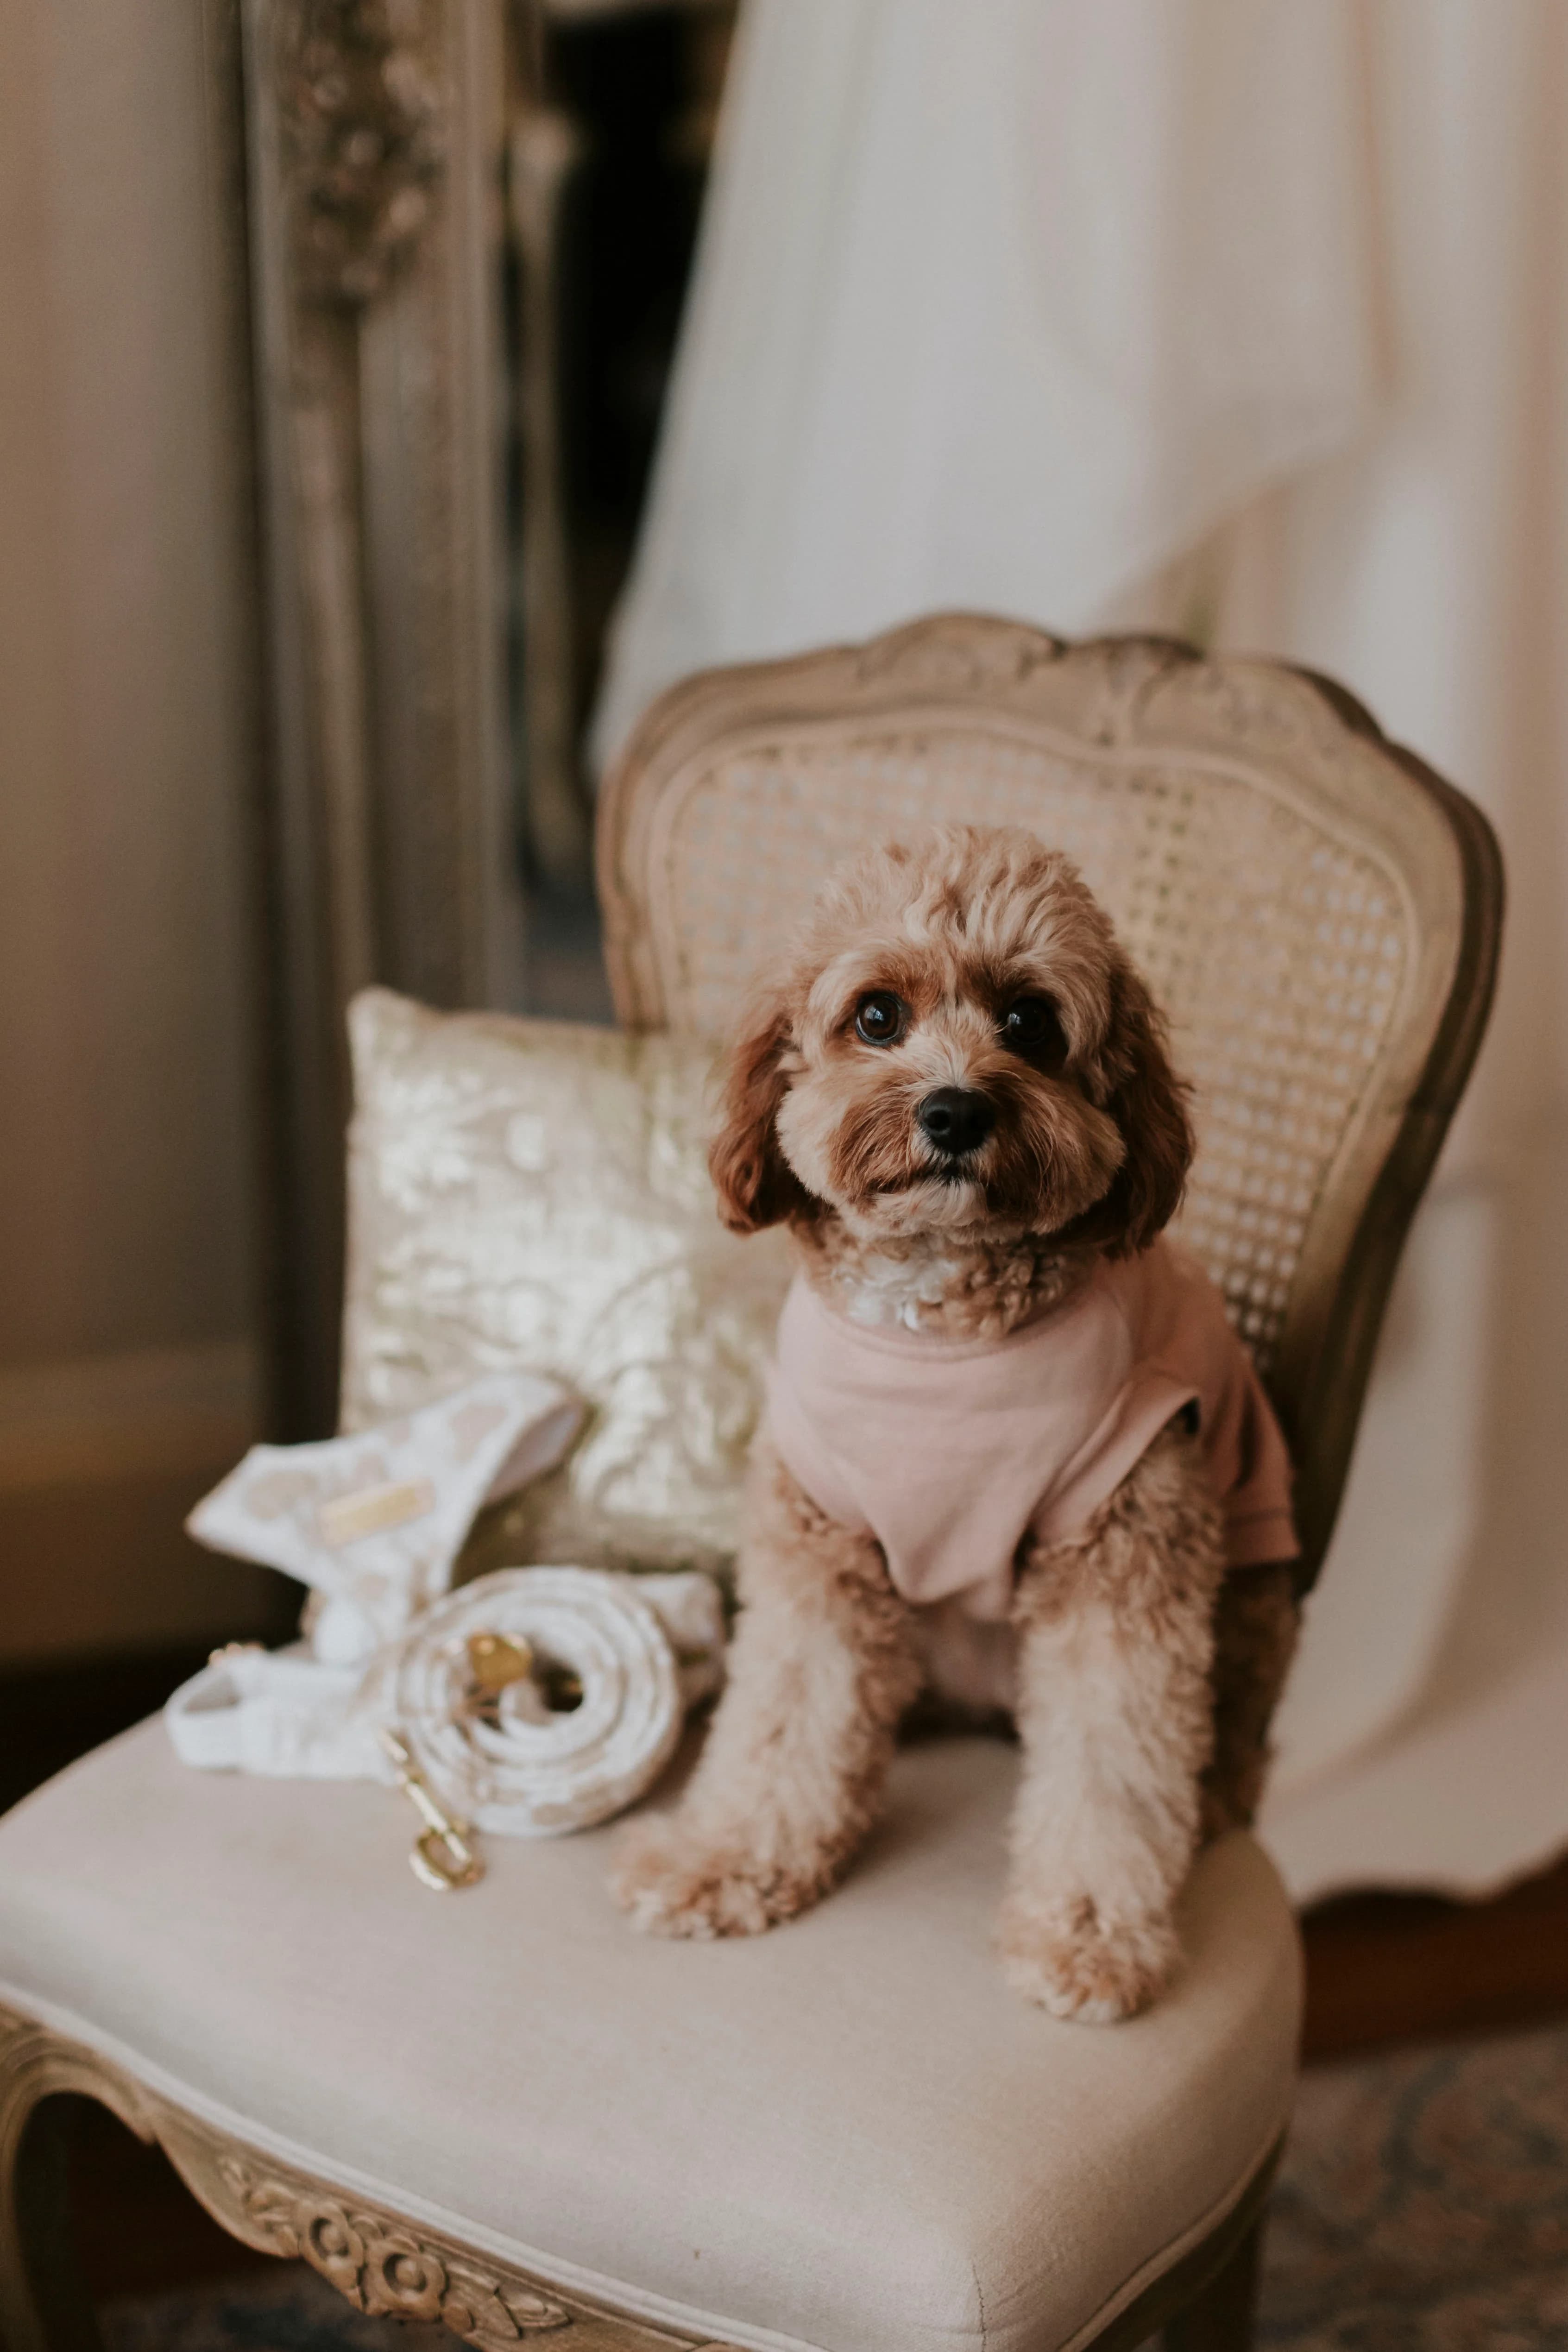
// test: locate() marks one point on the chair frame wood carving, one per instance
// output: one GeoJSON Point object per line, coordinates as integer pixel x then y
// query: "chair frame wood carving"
{"type": "Point", "coordinates": [1118, 700]}
{"type": "Point", "coordinates": [375, 151]}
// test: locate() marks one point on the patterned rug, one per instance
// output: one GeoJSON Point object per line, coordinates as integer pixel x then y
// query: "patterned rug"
{"type": "Point", "coordinates": [1422, 2207]}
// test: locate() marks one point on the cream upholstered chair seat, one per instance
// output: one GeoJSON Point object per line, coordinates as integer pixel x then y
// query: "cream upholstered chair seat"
{"type": "Point", "coordinates": [510, 2110]}
{"type": "Point", "coordinates": [846, 2134]}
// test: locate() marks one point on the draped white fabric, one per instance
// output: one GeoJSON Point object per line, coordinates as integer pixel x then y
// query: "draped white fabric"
{"type": "Point", "coordinates": [997, 306]}
{"type": "Point", "coordinates": [1244, 318]}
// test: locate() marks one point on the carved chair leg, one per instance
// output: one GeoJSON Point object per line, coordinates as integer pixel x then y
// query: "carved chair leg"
{"type": "Point", "coordinates": [1221, 2319]}
{"type": "Point", "coordinates": [44, 2303]}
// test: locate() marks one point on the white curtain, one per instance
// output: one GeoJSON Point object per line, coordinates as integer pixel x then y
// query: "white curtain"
{"type": "Point", "coordinates": [1246, 319]}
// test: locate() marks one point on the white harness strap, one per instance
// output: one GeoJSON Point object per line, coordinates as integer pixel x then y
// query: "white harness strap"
{"type": "Point", "coordinates": [285, 1715]}
{"type": "Point", "coordinates": [374, 1522]}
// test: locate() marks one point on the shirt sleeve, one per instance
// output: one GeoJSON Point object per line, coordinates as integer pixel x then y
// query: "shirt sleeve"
{"type": "Point", "coordinates": [1258, 1523]}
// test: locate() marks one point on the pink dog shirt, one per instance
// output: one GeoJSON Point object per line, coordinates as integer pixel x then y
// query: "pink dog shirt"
{"type": "Point", "coordinates": [947, 1451]}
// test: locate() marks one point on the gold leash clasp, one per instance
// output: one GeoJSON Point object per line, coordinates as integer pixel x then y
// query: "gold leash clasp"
{"type": "Point", "coordinates": [442, 1858]}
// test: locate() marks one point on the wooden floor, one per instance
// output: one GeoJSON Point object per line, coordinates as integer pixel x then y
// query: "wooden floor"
{"type": "Point", "coordinates": [1381, 1971]}
{"type": "Point", "coordinates": [1384, 1969]}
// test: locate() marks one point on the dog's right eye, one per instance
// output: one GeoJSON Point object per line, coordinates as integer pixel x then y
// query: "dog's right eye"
{"type": "Point", "coordinates": [879, 1017]}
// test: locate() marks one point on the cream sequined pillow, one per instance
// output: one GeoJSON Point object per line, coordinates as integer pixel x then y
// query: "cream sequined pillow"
{"type": "Point", "coordinates": [534, 1193]}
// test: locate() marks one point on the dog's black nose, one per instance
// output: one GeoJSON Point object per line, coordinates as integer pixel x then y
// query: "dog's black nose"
{"type": "Point", "coordinates": [956, 1119]}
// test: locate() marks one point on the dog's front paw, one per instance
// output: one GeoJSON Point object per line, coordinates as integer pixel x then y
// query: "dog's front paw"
{"type": "Point", "coordinates": [1076, 1963]}
{"type": "Point", "coordinates": [678, 1882]}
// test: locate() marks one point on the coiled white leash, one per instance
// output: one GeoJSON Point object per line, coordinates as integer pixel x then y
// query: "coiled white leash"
{"type": "Point", "coordinates": [531, 1703]}
{"type": "Point", "coordinates": [495, 1749]}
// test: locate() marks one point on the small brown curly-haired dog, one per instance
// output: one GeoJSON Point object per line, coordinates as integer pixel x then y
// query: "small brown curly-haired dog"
{"type": "Point", "coordinates": [1012, 1451]}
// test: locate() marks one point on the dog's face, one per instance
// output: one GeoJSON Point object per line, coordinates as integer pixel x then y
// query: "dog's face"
{"type": "Point", "coordinates": [958, 1047]}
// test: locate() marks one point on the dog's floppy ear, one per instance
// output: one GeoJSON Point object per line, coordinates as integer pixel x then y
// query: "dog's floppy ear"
{"type": "Point", "coordinates": [755, 1184]}
{"type": "Point", "coordinates": [1149, 1103]}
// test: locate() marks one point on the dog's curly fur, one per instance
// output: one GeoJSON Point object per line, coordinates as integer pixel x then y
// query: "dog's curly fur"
{"type": "Point", "coordinates": [1146, 1675]}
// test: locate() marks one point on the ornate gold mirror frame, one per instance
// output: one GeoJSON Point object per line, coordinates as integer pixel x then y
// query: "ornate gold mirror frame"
{"type": "Point", "coordinates": [376, 142]}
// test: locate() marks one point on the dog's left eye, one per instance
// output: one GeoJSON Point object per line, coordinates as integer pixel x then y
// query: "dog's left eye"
{"type": "Point", "coordinates": [1032, 1025]}
{"type": "Point", "coordinates": [879, 1017]}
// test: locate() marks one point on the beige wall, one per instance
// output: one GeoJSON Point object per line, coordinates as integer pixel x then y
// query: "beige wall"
{"type": "Point", "coordinates": [126, 1215]}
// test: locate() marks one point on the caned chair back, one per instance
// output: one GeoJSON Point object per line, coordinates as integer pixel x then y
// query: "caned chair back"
{"type": "Point", "coordinates": [1317, 912]}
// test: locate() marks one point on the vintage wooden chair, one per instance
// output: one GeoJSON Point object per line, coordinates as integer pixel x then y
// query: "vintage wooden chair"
{"type": "Point", "coordinates": [509, 2112]}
